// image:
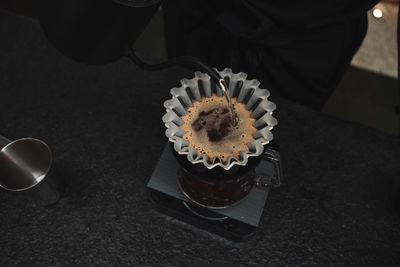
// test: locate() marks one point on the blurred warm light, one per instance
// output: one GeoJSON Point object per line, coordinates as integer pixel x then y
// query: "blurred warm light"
{"type": "Point", "coordinates": [377, 13]}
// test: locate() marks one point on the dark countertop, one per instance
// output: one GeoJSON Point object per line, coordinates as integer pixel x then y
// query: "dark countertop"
{"type": "Point", "coordinates": [336, 206]}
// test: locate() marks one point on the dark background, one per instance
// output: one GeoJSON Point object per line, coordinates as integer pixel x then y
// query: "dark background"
{"type": "Point", "coordinates": [362, 96]}
{"type": "Point", "coordinates": [338, 204]}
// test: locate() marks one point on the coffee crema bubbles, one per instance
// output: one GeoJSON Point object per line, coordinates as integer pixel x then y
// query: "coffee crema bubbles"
{"type": "Point", "coordinates": [209, 129]}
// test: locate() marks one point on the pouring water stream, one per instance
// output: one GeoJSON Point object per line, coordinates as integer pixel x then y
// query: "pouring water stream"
{"type": "Point", "coordinates": [225, 90]}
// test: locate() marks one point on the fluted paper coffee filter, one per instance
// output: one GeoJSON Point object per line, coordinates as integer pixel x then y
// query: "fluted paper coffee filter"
{"type": "Point", "coordinates": [246, 91]}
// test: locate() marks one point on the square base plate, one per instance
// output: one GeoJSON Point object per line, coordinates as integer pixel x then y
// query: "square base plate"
{"type": "Point", "coordinates": [237, 222]}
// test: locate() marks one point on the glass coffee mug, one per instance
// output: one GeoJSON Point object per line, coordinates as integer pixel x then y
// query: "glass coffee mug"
{"type": "Point", "coordinates": [219, 188]}
{"type": "Point", "coordinates": [219, 183]}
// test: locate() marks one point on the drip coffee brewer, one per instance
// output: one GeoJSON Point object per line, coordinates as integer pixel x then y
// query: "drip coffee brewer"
{"type": "Point", "coordinates": [221, 155]}
{"type": "Point", "coordinates": [226, 190]}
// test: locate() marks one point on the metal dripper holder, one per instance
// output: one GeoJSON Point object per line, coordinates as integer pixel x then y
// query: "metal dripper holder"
{"type": "Point", "coordinates": [25, 165]}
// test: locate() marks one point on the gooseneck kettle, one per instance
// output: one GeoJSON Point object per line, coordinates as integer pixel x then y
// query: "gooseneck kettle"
{"type": "Point", "coordinates": [102, 31]}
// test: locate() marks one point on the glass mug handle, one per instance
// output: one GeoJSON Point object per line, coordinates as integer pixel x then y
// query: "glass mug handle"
{"type": "Point", "coordinates": [264, 181]}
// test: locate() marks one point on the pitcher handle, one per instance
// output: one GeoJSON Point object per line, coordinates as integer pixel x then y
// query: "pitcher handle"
{"type": "Point", "coordinates": [264, 181]}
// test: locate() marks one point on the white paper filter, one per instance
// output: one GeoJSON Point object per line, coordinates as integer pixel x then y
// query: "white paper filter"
{"type": "Point", "coordinates": [246, 91]}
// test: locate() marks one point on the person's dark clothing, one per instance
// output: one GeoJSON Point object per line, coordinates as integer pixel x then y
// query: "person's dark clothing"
{"type": "Point", "coordinates": [297, 49]}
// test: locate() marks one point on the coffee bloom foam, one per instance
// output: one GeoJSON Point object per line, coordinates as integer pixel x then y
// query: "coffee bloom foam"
{"type": "Point", "coordinates": [246, 91]}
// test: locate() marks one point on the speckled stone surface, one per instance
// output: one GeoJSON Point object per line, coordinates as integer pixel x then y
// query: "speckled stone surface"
{"type": "Point", "coordinates": [336, 207]}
